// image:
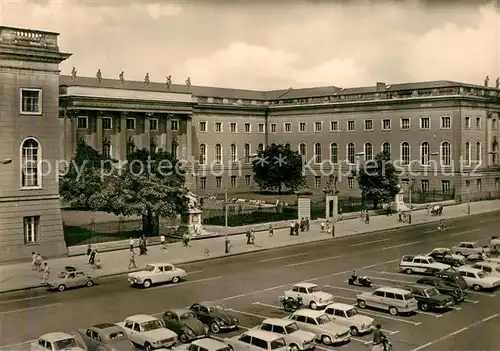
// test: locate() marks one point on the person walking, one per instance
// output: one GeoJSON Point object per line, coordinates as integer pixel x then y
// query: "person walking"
{"type": "Point", "coordinates": [163, 242]}
{"type": "Point", "coordinates": [131, 243]}
{"type": "Point", "coordinates": [292, 227]}
{"type": "Point", "coordinates": [271, 230]}
{"type": "Point", "coordinates": [322, 226]}
{"type": "Point", "coordinates": [34, 262]}
{"type": "Point", "coordinates": [297, 228]}
{"type": "Point", "coordinates": [46, 273]}
{"type": "Point", "coordinates": [131, 260]}
{"type": "Point", "coordinates": [367, 217]}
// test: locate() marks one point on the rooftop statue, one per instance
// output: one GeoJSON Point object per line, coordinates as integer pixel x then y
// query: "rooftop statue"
{"type": "Point", "coordinates": [486, 81]}
{"type": "Point", "coordinates": [188, 82]}
{"type": "Point", "coordinates": [98, 75]}
{"type": "Point", "coordinates": [73, 74]}
{"type": "Point", "coordinates": [497, 83]}
{"type": "Point", "coordinates": [169, 81]}
{"type": "Point", "coordinates": [122, 78]}
{"type": "Point", "coordinates": [146, 79]}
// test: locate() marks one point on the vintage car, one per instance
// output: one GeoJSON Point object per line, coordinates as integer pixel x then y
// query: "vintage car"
{"type": "Point", "coordinates": [394, 300]}
{"type": "Point", "coordinates": [257, 340]}
{"type": "Point", "coordinates": [349, 316]}
{"type": "Point", "coordinates": [185, 323]}
{"type": "Point", "coordinates": [105, 337]}
{"type": "Point", "coordinates": [205, 344]}
{"type": "Point", "coordinates": [470, 249]}
{"type": "Point", "coordinates": [156, 273]}
{"type": "Point", "coordinates": [215, 316]}
{"type": "Point", "coordinates": [73, 278]}
{"type": "Point", "coordinates": [444, 255]}
{"type": "Point", "coordinates": [420, 264]}
{"type": "Point", "coordinates": [446, 287]}
{"type": "Point", "coordinates": [55, 342]}
{"type": "Point", "coordinates": [327, 331]}
{"type": "Point", "coordinates": [478, 279]}
{"type": "Point", "coordinates": [148, 332]}
{"type": "Point", "coordinates": [311, 295]}
{"type": "Point", "coordinates": [491, 268]}
{"type": "Point", "coordinates": [296, 339]}
{"type": "Point", "coordinates": [429, 298]}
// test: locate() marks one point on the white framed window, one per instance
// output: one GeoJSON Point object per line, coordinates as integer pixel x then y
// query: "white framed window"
{"type": "Point", "coordinates": [386, 147]}
{"type": "Point", "coordinates": [274, 128]}
{"type": "Point", "coordinates": [202, 127]}
{"type": "Point", "coordinates": [425, 123]}
{"type": "Point", "coordinates": [107, 123]}
{"type": "Point", "coordinates": [317, 181]}
{"type": "Point", "coordinates": [334, 153]}
{"type": "Point", "coordinates": [130, 123]}
{"type": "Point", "coordinates": [405, 153]}
{"type": "Point", "coordinates": [248, 180]}
{"type": "Point", "coordinates": [368, 124]}
{"type": "Point", "coordinates": [467, 122]}
{"type": "Point", "coordinates": [203, 182]}
{"type": "Point", "coordinates": [303, 151]}
{"type": "Point", "coordinates": [351, 153]}
{"type": "Point", "coordinates": [218, 127]}
{"type": "Point", "coordinates": [233, 127]}
{"type": "Point", "coordinates": [203, 154]}
{"type": "Point", "coordinates": [107, 150]}
{"type": "Point", "coordinates": [31, 172]}
{"type": "Point", "coordinates": [261, 128]}
{"type": "Point", "coordinates": [350, 183]}
{"type": "Point", "coordinates": [234, 153]}
{"type": "Point", "coordinates": [317, 153]}
{"type": "Point", "coordinates": [445, 122]}
{"type": "Point", "coordinates": [234, 182]}
{"type": "Point", "coordinates": [479, 151]}
{"type": "Point", "coordinates": [175, 125]}
{"type": "Point", "coordinates": [405, 123]}
{"type": "Point", "coordinates": [318, 126]}
{"type": "Point", "coordinates": [302, 127]}
{"type": "Point", "coordinates": [386, 124]}
{"type": "Point", "coordinates": [287, 127]}
{"type": "Point", "coordinates": [247, 152]}
{"type": "Point", "coordinates": [424, 185]}
{"type": "Point", "coordinates": [218, 182]}
{"type": "Point", "coordinates": [248, 128]}
{"type": "Point", "coordinates": [153, 124]}
{"type": "Point", "coordinates": [368, 151]}
{"type": "Point", "coordinates": [82, 122]}
{"type": "Point", "coordinates": [425, 153]}
{"type": "Point", "coordinates": [445, 186]}
{"type": "Point", "coordinates": [334, 126]}
{"type": "Point", "coordinates": [31, 229]}
{"type": "Point", "coordinates": [351, 126]}
{"type": "Point", "coordinates": [467, 154]}
{"type": "Point", "coordinates": [478, 122]}
{"type": "Point", "coordinates": [30, 101]}
{"type": "Point", "coordinates": [218, 154]}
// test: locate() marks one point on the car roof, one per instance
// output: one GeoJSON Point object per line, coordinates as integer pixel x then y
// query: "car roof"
{"type": "Point", "coordinates": [56, 336]}
{"type": "Point", "coordinates": [262, 334]}
{"type": "Point", "coordinates": [468, 242]}
{"type": "Point", "coordinates": [468, 269]}
{"type": "Point", "coordinates": [141, 318]}
{"type": "Point", "coordinates": [209, 344]}
{"type": "Point", "coordinates": [159, 264]}
{"type": "Point", "coordinates": [393, 290]}
{"type": "Point", "coordinates": [179, 311]}
{"type": "Point", "coordinates": [306, 285]}
{"type": "Point", "coordinates": [277, 321]}
{"type": "Point", "coordinates": [309, 313]}
{"type": "Point", "coordinates": [425, 257]}
{"type": "Point", "coordinates": [103, 326]}
{"type": "Point", "coordinates": [421, 286]}
{"type": "Point", "coordinates": [340, 306]}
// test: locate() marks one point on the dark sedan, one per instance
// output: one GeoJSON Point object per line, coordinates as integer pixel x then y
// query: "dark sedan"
{"type": "Point", "coordinates": [105, 337]}
{"type": "Point", "coordinates": [185, 323]}
{"type": "Point", "coordinates": [215, 316]}
{"type": "Point", "coordinates": [444, 255]}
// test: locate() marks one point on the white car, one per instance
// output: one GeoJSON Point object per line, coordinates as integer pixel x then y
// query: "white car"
{"type": "Point", "coordinates": [55, 342]}
{"type": "Point", "coordinates": [478, 279]}
{"type": "Point", "coordinates": [469, 248]}
{"type": "Point", "coordinates": [156, 273]}
{"type": "Point", "coordinates": [296, 339]}
{"type": "Point", "coordinates": [257, 340]}
{"type": "Point", "coordinates": [421, 264]}
{"type": "Point", "coordinates": [491, 268]}
{"type": "Point", "coordinates": [148, 332]}
{"type": "Point", "coordinates": [311, 295]}
{"type": "Point", "coordinates": [205, 344]}
{"type": "Point", "coordinates": [349, 316]}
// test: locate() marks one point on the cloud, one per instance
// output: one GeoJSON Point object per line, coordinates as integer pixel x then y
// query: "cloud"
{"type": "Point", "coordinates": [157, 10]}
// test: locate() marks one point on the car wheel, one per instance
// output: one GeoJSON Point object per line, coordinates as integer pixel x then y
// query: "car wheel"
{"type": "Point", "coordinates": [294, 347]}
{"type": "Point", "coordinates": [424, 307]}
{"type": "Point", "coordinates": [313, 305]}
{"type": "Point", "coordinates": [175, 279]}
{"type": "Point", "coordinates": [183, 338]}
{"type": "Point", "coordinates": [354, 331]}
{"type": "Point", "coordinates": [61, 287]}
{"type": "Point", "coordinates": [361, 304]}
{"type": "Point", "coordinates": [214, 327]}
{"type": "Point", "coordinates": [393, 311]}
{"type": "Point", "coordinates": [90, 283]}
{"type": "Point", "coordinates": [325, 339]}
{"type": "Point", "coordinates": [147, 346]}
{"type": "Point", "coordinates": [476, 287]}
{"type": "Point", "coordinates": [147, 283]}
{"type": "Point", "coordinates": [408, 271]}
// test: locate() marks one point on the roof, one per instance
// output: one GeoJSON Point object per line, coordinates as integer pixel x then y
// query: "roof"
{"type": "Point", "coordinates": [340, 306]}
{"type": "Point", "coordinates": [209, 344]}
{"type": "Point", "coordinates": [159, 264]}
{"type": "Point", "coordinates": [306, 285]}
{"type": "Point", "coordinates": [309, 313]}
{"type": "Point", "coordinates": [423, 286]}
{"type": "Point", "coordinates": [425, 257]}
{"type": "Point", "coordinates": [394, 290]}
{"type": "Point", "coordinates": [105, 326]}
{"type": "Point", "coordinates": [141, 318]}
{"type": "Point", "coordinates": [278, 321]}
{"type": "Point", "coordinates": [51, 337]}
{"type": "Point", "coordinates": [29, 30]}
{"type": "Point", "coordinates": [262, 334]}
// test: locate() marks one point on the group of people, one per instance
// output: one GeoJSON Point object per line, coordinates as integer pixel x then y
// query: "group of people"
{"type": "Point", "coordinates": [303, 225]}
{"type": "Point", "coordinates": [327, 227]}
{"type": "Point", "coordinates": [365, 216]}
{"type": "Point", "coordinates": [93, 259]}
{"type": "Point", "coordinates": [39, 265]}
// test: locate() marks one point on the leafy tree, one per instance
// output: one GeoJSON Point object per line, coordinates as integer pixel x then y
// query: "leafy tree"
{"type": "Point", "coordinates": [278, 166]}
{"type": "Point", "coordinates": [378, 179]}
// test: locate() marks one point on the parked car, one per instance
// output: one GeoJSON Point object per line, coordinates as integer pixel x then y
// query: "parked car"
{"type": "Point", "coordinates": [156, 273]}
{"type": "Point", "coordinates": [445, 287]}
{"type": "Point", "coordinates": [105, 337]}
{"type": "Point", "coordinates": [56, 342]}
{"type": "Point", "coordinates": [453, 276]}
{"type": "Point", "coordinates": [148, 332]}
{"type": "Point", "coordinates": [184, 322]}
{"type": "Point", "coordinates": [296, 339]}
{"type": "Point", "coordinates": [215, 316]}
{"type": "Point", "coordinates": [420, 264]}
{"type": "Point", "coordinates": [257, 340]}
{"type": "Point", "coordinates": [478, 279]}
{"type": "Point", "coordinates": [205, 344]}
{"type": "Point", "coordinates": [394, 300]}
{"type": "Point", "coordinates": [326, 330]}
{"type": "Point", "coordinates": [491, 268]}
{"type": "Point", "coordinates": [469, 248]}
{"type": "Point", "coordinates": [444, 255]}
{"type": "Point", "coordinates": [311, 295]}
{"type": "Point", "coordinates": [74, 278]}
{"type": "Point", "coordinates": [429, 298]}
{"type": "Point", "coordinates": [349, 316]}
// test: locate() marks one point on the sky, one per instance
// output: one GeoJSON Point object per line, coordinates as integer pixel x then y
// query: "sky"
{"type": "Point", "coordinates": [266, 44]}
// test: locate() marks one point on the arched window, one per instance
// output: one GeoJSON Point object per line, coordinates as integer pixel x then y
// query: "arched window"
{"type": "Point", "coordinates": [467, 154]}
{"type": "Point", "coordinates": [478, 152]}
{"type": "Point", "coordinates": [351, 153]}
{"type": "Point", "coordinates": [386, 147]}
{"type": "Point", "coordinates": [261, 147]}
{"type": "Point", "coordinates": [334, 153]}
{"type": "Point", "coordinates": [203, 154]}
{"type": "Point", "coordinates": [273, 145]}
{"type": "Point", "coordinates": [175, 149]}
{"type": "Point", "coordinates": [445, 153]}
{"type": "Point", "coordinates": [368, 151]}
{"type": "Point", "coordinates": [425, 152]}
{"type": "Point", "coordinates": [218, 153]}
{"type": "Point", "coordinates": [31, 173]}
{"type": "Point", "coordinates": [405, 153]}
{"type": "Point", "coordinates": [247, 151]}
{"type": "Point", "coordinates": [287, 146]}
{"type": "Point", "coordinates": [303, 151]}
{"type": "Point", "coordinates": [234, 153]}
{"type": "Point", "coordinates": [317, 153]}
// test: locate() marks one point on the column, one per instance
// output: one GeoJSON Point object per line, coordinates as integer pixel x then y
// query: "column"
{"type": "Point", "coordinates": [190, 177]}
{"type": "Point", "coordinates": [121, 148]}
{"type": "Point", "coordinates": [74, 135]}
{"type": "Point", "coordinates": [183, 138]}
{"type": "Point", "coordinates": [146, 136]}
{"type": "Point", "coordinates": [488, 147]}
{"type": "Point", "coordinates": [99, 134]}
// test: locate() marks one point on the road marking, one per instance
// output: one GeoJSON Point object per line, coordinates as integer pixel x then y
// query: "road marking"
{"type": "Point", "coordinates": [346, 289]}
{"type": "Point", "coordinates": [282, 257]}
{"type": "Point", "coordinates": [398, 274]}
{"type": "Point", "coordinates": [488, 220]}
{"type": "Point", "coordinates": [31, 308]}
{"type": "Point", "coordinates": [327, 276]}
{"type": "Point", "coordinates": [379, 264]}
{"type": "Point", "coordinates": [267, 305]}
{"type": "Point", "coordinates": [401, 245]}
{"type": "Point", "coordinates": [19, 343]}
{"type": "Point", "coordinates": [437, 315]}
{"type": "Point", "coordinates": [437, 230]}
{"type": "Point", "coordinates": [248, 314]}
{"type": "Point", "coordinates": [467, 231]}
{"type": "Point", "coordinates": [25, 299]}
{"type": "Point", "coordinates": [482, 293]}
{"type": "Point", "coordinates": [277, 287]}
{"type": "Point", "coordinates": [369, 242]}
{"type": "Point", "coordinates": [312, 261]}
{"type": "Point", "coordinates": [184, 283]}
{"type": "Point", "coordinates": [194, 272]}
{"type": "Point", "coordinates": [370, 313]}
{"type": "Point", "coordinates": [455, 308]}
{"type": "Point", "coordinates": [471, 301]}
{"type": "Point", "coordinates": [490, 317]}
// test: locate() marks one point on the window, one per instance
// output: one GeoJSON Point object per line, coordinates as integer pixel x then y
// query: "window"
{"type": "Point", "coordinates": [234, 153]}
{"type": "Point", "coordinates": [303, 151]}
{"type": "Point", "coordinates": [425, 185]}
{"type": "Point", "coordinates": [107, 150]}
{"type": "Point", "coordinates": [287, 127]}
{"type": "Point", "coordinates": [267, 327]}
{"type": "Point", "coordinates": [445, 122]}
{"type": "Point", "coordinates": [478, 152]}
{"type": "Point", "coordinates": [350, 183]}
{"type": "Point", "coordinates": [203, 154]}
{"type": "Point", "coordinates": [203, 182]}
{"type": "Point", "coordinates": [386, 147]}
{"type": "Point", "coordinates": [467, 122]}
{"type": "Point", "coordinates": [218, 153]}
{"type": "Point", "coordinates": [274, 128]}
{"type": "Point", "coordinates": [368, 151]}
{"type": "Point", "coordinates": [405, 123]}
{"type": "Point", "coordinates": [368, 124]}
{"type": "Point", "coordinates": [497, 183]}
{"type": "Point", "coordinates": [405, 153]}
{"type": "Point", "coordinates": [467, 153]}
{"type": "Point", "coordinates": [351, 125]}
{"type": "Point", "coordinates": [351, 153]}
{"type": "Point", "coordinates": [82, 123]}
{"type": "Point", "coordinates": [317, 181]}
{"type": "Point", "coordinates": [334, 153]}
{"type": "Point", "coordinates": [317, 153]}
{"type": "Point", "coordinates": [386, 124]}
{"type": "Point", "coordinates": [247, 180]}
{"type": "Point", "coordinates": [31, 101]}
{"type": "Point", "coordinates": [130, 123]}
{"type": "Point", "coordinates": [233, 182]}
{"type": "Point", "coordinates": [261, 147]}
{"type": "Point", "coordinates": [425, 123]}
{"type": "Point", "coordinates": [107, 123]}
{"type": "Point", "coordinates": [153, 124]}
{"type": "Point", "coordinates": [31, 229]}
{"type": "Point", "coordinates": [248, 128]}
{"type": "Point", "coordinates": [233, 127]}
{"type": "Point", "coordinates": [31, 173]}
{"type": "Point", "coordinates": [175, 149]}
{"type": "Point", "coordinates": [261, 128]}
{"type": "Point", "coordinates": [302, 127]}
{"type": "Point", "coordinates": [334, 126]}
{"type": "Point", "coordinates": [247, 152]}
{"type": "Point", "coordinates": [218, 127]}
{"type": "Point", "coordinates": [478, 122]}
{"type": "Point", "coordinates": [479, 186]}
{"type": "Point", "coordinates": [202, 126]}
{"type": "Point", "coordinates": [318, 127]}
{"type": "Point", "coordinates": [445, 186]}
{"type": "Point", "coordinates": [175, 125]}
{"type": "Point", "coordinates": [218, 182]}
{"type": "Point", "coordinates": [425, 152]}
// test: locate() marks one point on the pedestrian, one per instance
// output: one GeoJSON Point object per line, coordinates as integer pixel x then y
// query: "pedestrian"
{"type": "Point", "coordinates": [292, 227]}
{"type": "Point", "coordinates": [409, 218]}
{"type": "Point", "coordinates": [271, 230]}
{"type": "Point", "coordinates": [297, 228]}
{"type": "Point", "coordinates": [34, 262]}
{"type": "Point", "coordinates": [252, 237]}
{"type": "Point", "coordinates": [322, 226]}
{"type": "Point", "coordinates": [92, 257]}
{"type": "Point", "coordinates": [400, 216]}
{"type": "Point", "coordinates": [185, 240]}
{"type": "Point", "coordinates": [163, 242]}
{"type": "Point", "coordinates": [302, 224]}
{"type": "Point", "coordinates": [249, 237]}
{"type": "Point", "coordinates": [340, 213]}
{"type": "Point", "coordinates": [329, 228]}
{"type": "Point", "coordinates": [428, 210]}
{"type": "Point", "coordinates": [367, 217]}
{"type": "Point", "coordinates": [131, 262]}
{"type": "Point", "coordinates": [131, 242]}
{"type": "Point", "coordinates": [46, 273]}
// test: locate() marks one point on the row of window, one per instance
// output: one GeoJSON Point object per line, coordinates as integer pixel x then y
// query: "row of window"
{"type": "Point", "coordinates": [107, 123]}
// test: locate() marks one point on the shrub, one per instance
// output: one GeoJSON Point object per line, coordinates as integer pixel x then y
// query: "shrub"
{"type": "Point", "coordinates": [254, 217]}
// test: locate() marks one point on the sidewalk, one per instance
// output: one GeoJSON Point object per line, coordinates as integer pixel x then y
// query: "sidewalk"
{"type": "Point", "coordinates": [20, 276]}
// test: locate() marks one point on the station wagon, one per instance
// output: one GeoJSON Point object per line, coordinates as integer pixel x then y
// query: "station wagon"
{"type": "Point", "coordinates": [394, 300]}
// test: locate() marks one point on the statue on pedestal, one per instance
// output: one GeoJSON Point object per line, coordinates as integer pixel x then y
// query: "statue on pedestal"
{"type": "Point", "coordinates": [486, 81]}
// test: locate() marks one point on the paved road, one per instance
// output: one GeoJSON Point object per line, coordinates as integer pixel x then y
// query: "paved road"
{"type": "Point", "coordinates": [250, 285]}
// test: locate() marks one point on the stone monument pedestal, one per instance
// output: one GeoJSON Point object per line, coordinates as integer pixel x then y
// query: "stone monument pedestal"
{"type": "Point", "coordinates": [304, 205]}
{"type": "Point", "coordinates": [191, 223]}
{"type": "Point", "coordinates": [399, 204]}
{"type": "Point", "coordinates": [331, 205]}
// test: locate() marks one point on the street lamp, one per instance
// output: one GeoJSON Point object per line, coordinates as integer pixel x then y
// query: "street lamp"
{"type": "Point", "coordinates": [6, 161]}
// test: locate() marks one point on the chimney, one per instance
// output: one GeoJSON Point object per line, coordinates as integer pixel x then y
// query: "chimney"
{"type": "Point", "coordinates": [380, 87]}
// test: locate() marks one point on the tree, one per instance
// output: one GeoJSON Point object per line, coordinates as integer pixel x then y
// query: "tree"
{"type": "Point", "coordinates": [278, 166]}
{"type": "Point", "coordinates": [378, 179]}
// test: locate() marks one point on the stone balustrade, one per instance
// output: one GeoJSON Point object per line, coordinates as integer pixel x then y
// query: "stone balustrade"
{"type": "Point", "coordinates": [25, 37]}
